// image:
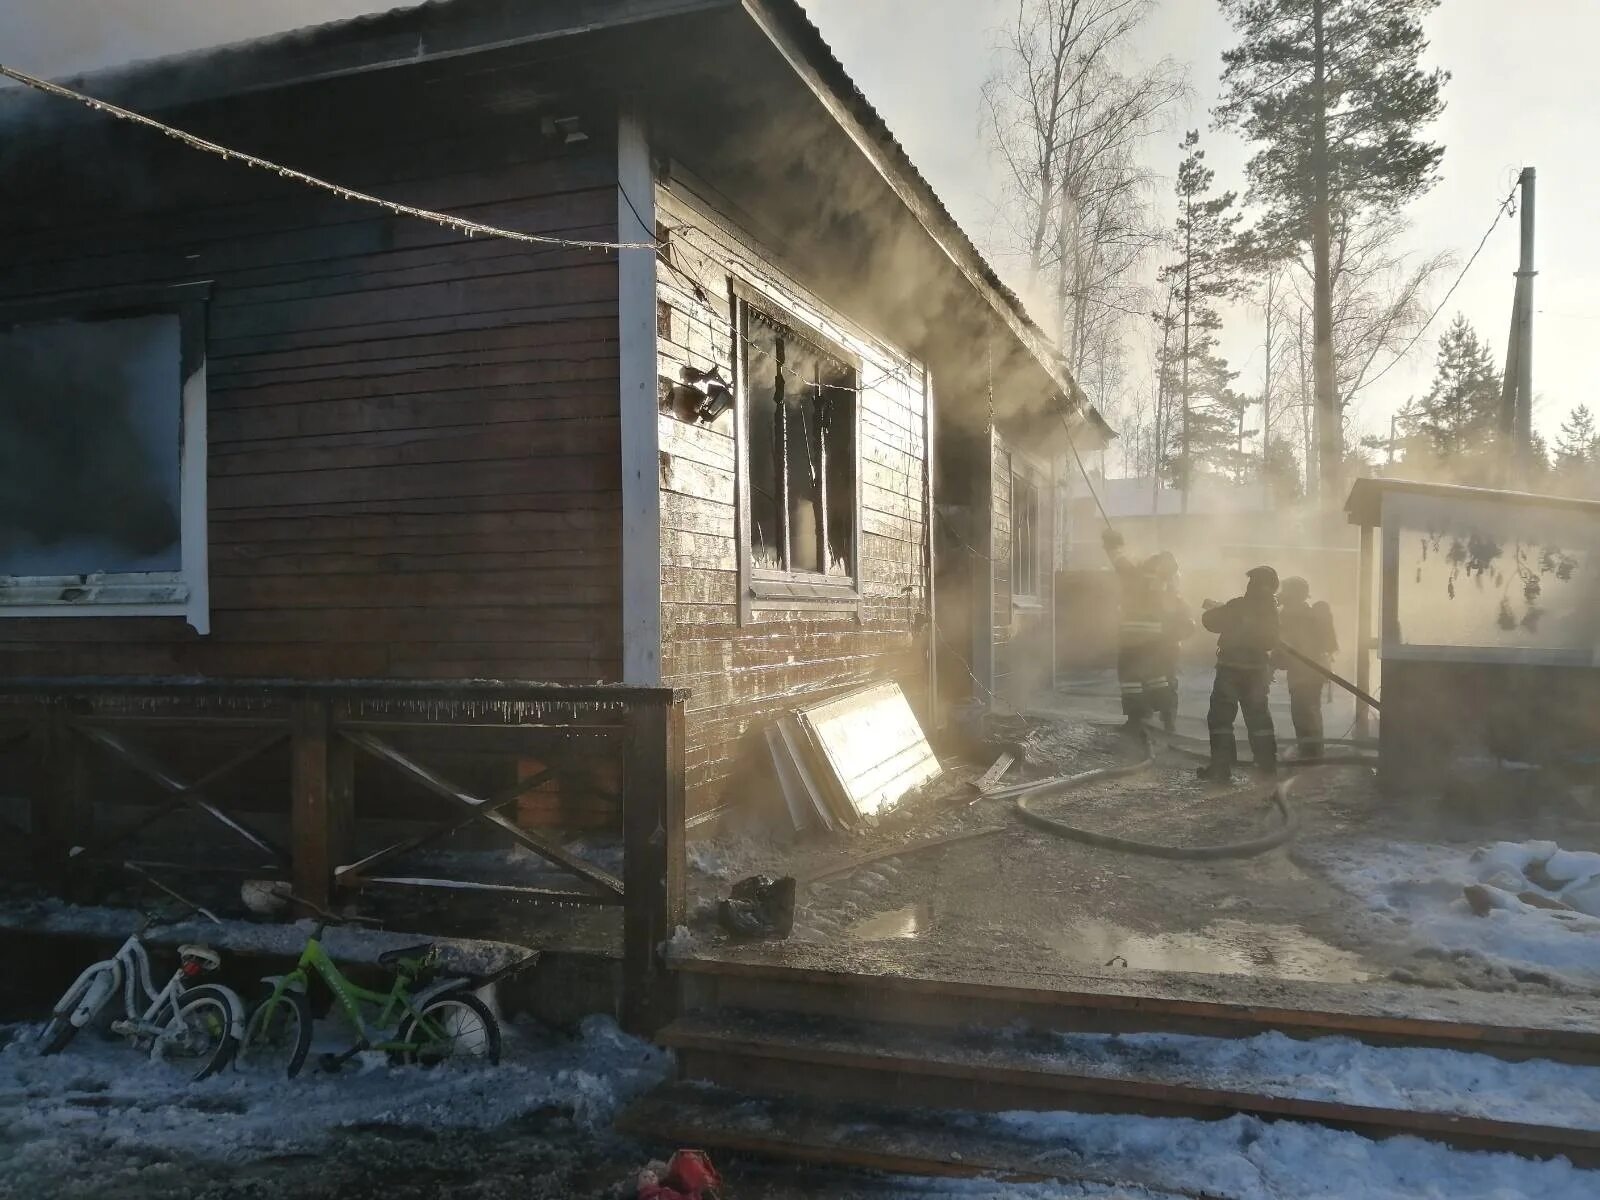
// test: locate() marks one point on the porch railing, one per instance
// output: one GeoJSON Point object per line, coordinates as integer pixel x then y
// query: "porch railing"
{"type": "Point", "coordinates": [559, 735]}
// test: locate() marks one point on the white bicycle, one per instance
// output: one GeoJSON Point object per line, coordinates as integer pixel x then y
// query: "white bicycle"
{"type": "Point", "coordinates": [200, 1025]}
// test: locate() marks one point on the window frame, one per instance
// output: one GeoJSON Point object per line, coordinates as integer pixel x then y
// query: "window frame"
{"type": "Point", "coordinates": [767, 588]}
{"type": "Point", "coordinates": [184, 592]}
{"type": "Point", "coordinates": [1020, 598]}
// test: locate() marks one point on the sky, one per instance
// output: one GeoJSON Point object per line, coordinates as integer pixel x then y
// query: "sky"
{"type": "Point", "coordinates": [1521, 94]}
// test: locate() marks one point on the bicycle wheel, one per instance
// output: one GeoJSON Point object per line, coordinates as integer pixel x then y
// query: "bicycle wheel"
{"type": "Point", "coordinates": [457, 1026]}
{"type": "Point", "coordinates": [94, 989]}
{"type": "Point", "coordinates": [200, 1034]}
{"type": "Point", "coordinates": [278, 1034]}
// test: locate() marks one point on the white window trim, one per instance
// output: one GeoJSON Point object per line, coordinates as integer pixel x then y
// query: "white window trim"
{"type": "Point", "coordinates": [1035, 598]}
{"type": "Point", "coordinates": [182, 593]}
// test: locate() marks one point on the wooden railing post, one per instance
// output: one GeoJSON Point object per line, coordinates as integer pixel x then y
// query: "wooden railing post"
{"type": "Point", "coordinates": [321, 805]}
{"type": "Point", "coordinates": [653, 858]}
{"type": "Point", "coordinates": [63, 812]}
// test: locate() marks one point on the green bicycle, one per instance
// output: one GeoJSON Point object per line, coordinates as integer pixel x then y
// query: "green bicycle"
{"type": "Point", "coordinates": [420, 1019]}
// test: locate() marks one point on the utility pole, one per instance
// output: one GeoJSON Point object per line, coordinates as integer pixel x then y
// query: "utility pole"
{"type": "Point", "coordinates": [1516, 391]}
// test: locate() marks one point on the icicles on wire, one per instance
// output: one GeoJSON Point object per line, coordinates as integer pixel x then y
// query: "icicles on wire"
{"type": "Point", "coordinates": [459, 224]}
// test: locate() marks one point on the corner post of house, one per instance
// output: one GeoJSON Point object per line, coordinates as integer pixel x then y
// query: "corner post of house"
{"type": "Point", "coordinates": [1364, 631]}
{"type": "Point", "coordinates": [321, 802]}
{"type": "Point", "coordinates": [63, 812]}
{"type": "Point", "coordinates": [640, 430]}
{"type": "Point", "coordinates": [653, 818]}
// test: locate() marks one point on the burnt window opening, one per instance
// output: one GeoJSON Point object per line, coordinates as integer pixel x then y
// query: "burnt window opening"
{"type": "Point", "coordinates": [1024, 538]}
{"type": "Point", "coordinates": [90, 446]}
{"type": "Point", "coordinates": [801, 448]}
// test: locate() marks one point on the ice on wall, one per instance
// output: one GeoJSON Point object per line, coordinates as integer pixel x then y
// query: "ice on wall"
{"type": "Point", "coordinates": [1475, 573]}
{"type": "Point", "coordinates": [90, 417]}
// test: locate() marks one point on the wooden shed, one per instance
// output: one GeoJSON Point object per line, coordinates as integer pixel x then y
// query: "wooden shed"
{"type": "Point", "coordinates": [274, 453]}
{"type": "Point", "coordinates": [1488, 627]}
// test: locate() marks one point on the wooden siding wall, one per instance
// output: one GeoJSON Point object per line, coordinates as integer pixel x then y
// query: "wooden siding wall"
{"type": "Point", "coordinates": [414, 449]}
{"type": "Point", "coordinates": [744, 677]}
{"type": "Point", "coordinates": [1022, 633]}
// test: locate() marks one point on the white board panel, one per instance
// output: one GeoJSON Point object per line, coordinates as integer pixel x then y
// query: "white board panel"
{"type": "Point", "coordinates": [873, 747]}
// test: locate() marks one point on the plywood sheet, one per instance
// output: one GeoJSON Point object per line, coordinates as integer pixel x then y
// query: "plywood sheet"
{"type": "Point", "coordinates": [872, 746]}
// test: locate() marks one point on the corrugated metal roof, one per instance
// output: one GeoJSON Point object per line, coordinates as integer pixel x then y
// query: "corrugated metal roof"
{"type": "Point", "coordinates": [443, 28]}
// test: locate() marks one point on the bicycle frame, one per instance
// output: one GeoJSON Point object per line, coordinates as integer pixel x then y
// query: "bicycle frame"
{"type": "Point", "coordinates": [130, 975]}
{"type": "Point", "coordinates": [392, 1006]}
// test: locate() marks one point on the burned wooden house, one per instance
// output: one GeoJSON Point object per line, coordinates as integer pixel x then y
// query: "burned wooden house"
{"type": "Point", "coordinates": [751, 423]}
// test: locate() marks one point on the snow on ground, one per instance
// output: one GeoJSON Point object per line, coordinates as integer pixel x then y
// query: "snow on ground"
{"type": "Point", "coordinates": [1420, 889]}
{"type": "Point", "coordinates": [1346, 1071]}
{"type": "Point", "coordinates": [102, 1096]}
{"type": "Point", "coordinates": [1249, 1159]}
{"type": "Point", "coordinates": [347, 943]}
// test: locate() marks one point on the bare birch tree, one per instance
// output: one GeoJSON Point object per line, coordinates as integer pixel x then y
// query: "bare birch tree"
{"type": "Point", "coordinates": [1067, 113]}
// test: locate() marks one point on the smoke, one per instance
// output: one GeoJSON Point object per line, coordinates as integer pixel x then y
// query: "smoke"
{"type": "Point", "coordinates": [69, 37]}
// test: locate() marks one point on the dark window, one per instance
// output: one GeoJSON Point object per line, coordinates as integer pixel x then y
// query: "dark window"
{"type": "Point", "coordinates": [801, 403]}
{"type": "Point", "coordinates": [90, 436]}
{"type": "Point", "coordinates": [1024, 537]}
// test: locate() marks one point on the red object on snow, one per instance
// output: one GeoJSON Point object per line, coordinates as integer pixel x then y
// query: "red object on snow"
{"type": "Point", "coordinates": [689, 1176]}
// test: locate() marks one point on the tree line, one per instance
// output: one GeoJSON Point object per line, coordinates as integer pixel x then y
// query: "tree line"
{"type": "Point", "coordinates": [1334, 103]}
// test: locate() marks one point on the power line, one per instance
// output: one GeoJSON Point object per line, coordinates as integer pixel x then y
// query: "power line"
{"type": "Point", "coordinates": [460, 224]}
{"type": "Point", "coordinates": [1505, 206]}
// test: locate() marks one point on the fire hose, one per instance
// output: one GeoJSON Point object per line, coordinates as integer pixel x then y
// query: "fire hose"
{"type": "Point", "coordinates": [1277, 794]}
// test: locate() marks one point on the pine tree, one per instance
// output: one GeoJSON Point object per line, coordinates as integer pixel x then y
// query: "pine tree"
{"type": "Point", "coordinates": [1281, 471]}
{"type": "Point", "coordinates": [1578, 444]}
{"type": "Point", "coordinates": [1332, 94]}
{"type": "Point", "coordinates": [1209, 414]}
{"type": "Point", "coordinates": [1457, 424]}
{"type": "Point", "coordinates": [1577, 457]}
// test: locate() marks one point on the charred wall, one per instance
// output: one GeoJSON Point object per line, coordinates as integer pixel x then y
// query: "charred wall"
{"type": "Point", "coordinates": [747, 663]}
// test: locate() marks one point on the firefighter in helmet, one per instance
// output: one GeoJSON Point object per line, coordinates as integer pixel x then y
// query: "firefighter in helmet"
{"type": "Point", "coordinates": [1247, 637]}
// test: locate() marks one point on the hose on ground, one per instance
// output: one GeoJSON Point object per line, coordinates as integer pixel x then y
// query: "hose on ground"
{"type": "Point", "coordinates": [1277, 794]}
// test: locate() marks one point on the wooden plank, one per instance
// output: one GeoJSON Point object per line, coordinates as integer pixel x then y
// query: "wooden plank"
{"type": "Point", "coordinates": [991, 778]}
{"type": "Point", "coordinates": [654, 793]}
{"type": "Point", "coordinates": [853, 1066]}
{"type": "Point", "coordinates": [153, 770]}
{"type": "Point", "coordinates": [1139, 1001]}
{"type": "Point", "coordinates": [321, 803]}
{"type": "Point", "coordinates": [441, 787]}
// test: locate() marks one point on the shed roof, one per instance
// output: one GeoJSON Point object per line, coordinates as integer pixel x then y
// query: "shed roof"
{"type": "Point", "coordinates": [1365, 503]}
{"type": "Point", "coordinates": [440, 29]}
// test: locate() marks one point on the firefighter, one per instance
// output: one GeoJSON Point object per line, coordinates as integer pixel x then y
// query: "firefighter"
{"type": "Point", "coordinates": [1141, 676]}
{"type": "Point", "coordinates": [1176, 627]}
{"type": "Point", "coordinates": [1247, 636]}
{"type": "Point", "coordinates": [1308, 628]}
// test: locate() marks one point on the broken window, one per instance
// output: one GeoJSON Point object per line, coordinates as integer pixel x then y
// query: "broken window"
{"type": "Point", "coordinates": [801, 414]}
{"type": "Point", "coordinates": [1024, 537]}
{"type": "Point", "coordinates": [94, 489]}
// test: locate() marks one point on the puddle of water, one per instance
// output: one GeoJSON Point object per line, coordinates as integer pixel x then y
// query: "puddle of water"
{"type": "Point", "coordinates": [908, 922]}
{"type": "Point", "coordinates": [1223, 947]}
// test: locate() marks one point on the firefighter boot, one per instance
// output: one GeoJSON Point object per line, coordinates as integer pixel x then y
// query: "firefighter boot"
{"type": "Point", "coordinates": [1223, 753]}
{"type": "Point", "coordinates": [1264, 750]}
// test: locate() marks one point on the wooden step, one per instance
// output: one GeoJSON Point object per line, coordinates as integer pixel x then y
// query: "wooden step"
{"type": "Point", "coordinates": [865, 1138]}
{"type": "Point", "coordinates": [874, 984]}
{"type": "Point", "coordinates": [838, 1061]}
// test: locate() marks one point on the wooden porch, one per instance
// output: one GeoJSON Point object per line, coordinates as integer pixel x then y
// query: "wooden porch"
{"type": "Point", "coordinates": [332, 785]}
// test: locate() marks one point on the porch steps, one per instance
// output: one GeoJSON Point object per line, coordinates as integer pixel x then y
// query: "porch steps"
{"type": "Point", "coordinates": [869, 985]}
{"type": "Point", "coordinates": [864, 1069]}
{"type": "Point", "coordinates": [897, 1066]}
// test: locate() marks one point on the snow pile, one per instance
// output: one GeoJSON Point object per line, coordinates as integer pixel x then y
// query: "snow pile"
{"type": "Point", "coordinates": [1342, 1070]}
{"type": "Point", "coordinates": [1250, 1159]}
{"type": "Point", "coordinates": [1536, 901]}
{"type": "Point", "coordinates": [100, 1097]}
{"type": "Point", "coordinates": [347, 943]}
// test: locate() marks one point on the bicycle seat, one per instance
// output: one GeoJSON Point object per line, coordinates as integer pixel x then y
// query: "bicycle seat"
{"type": "Point", "coordinates": [396, 958]}
{"type": "Point", "coordinates": [204, 955]}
